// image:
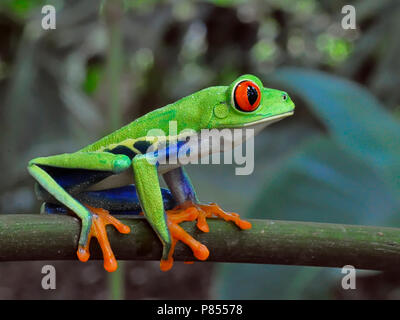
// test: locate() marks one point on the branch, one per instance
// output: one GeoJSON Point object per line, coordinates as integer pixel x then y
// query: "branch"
{"type": "Point", "coordinates": [55, 237]}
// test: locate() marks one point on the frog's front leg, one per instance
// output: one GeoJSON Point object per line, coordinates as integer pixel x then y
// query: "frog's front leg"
{"type": "Point", "coordinates": [150, 198]}
{"type": "Point", "coordinates": [93, 220]}
{"type": "Point", "coordinates": [189, 209]}
{"type": "Point", "coordinates": [149, 192]}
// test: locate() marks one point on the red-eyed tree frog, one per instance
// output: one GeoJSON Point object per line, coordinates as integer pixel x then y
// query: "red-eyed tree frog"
{"type": "Point", "coordinates": [119, 174]}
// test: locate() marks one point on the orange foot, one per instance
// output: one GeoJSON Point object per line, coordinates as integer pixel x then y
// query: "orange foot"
{"type": "Point", "coordinates": [190, 211]}
{"type": "Point", "coordinates": [102, 218]}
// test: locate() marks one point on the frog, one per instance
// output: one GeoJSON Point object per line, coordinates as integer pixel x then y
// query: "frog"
{"type": "Point", "coordinates": [120, 173]}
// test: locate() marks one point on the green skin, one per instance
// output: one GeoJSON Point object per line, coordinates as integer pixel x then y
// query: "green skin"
{"type": "Point", "coordinates": [210, 108]}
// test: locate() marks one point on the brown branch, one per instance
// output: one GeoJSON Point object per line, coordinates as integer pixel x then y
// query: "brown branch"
{"type": "Point", "coordinates": [55, 237]}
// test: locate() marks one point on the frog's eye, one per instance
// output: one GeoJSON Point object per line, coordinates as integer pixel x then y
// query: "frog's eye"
{"type": "Point", "coordinates": [246, 96]}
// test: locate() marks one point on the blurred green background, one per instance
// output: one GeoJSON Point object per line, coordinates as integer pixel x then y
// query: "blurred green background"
{"type": "Point", "coordinates": [108, 62]}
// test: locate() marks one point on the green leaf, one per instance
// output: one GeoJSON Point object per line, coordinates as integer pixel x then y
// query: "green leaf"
{"type": "Point", "coordinates": [324, 182]}
{"type": "Point", "coordinates": [353, 116]}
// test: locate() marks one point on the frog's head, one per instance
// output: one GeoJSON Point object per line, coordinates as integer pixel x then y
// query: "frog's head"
{"type": "Point", "coordinates": [248, 103]}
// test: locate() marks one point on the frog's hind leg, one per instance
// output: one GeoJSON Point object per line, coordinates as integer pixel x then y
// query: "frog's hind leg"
{"type": "Point", "coordinates": [41, 170]}
{"type": "Point", "coordinates": [189, 209]}
{"type": "Point", "coordinates": [100, 219]}
{"type": "Point", "coordinates": [104, 204]}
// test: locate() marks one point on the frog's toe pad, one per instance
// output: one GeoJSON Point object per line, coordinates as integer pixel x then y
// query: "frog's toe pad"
{"type": "Point", "coordinates": [100, 219]}
{"type": "Point", "coordinates": [83, 253]}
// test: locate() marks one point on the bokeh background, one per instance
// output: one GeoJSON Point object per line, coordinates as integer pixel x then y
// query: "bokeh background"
{"type": "Point", "coordinates": [108, 62]}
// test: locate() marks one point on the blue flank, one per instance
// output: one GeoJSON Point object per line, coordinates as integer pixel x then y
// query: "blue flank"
{"type": "Point", "coordinates": [124, 197]}
{"type": "Point", "coordinates": [73, 178]}
{"type": "Point", "coordinates": [169, 150]}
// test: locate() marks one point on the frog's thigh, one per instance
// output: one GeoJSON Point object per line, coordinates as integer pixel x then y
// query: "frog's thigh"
{"type": "Point", "coordinates": [84, 160]}
{"type": "Point", "coordinates": [103, 161]}
{"type": "Point", "coordinates": [180, 185]}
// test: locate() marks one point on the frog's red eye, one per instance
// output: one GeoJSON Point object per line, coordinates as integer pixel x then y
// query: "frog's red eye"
{"type": "Point", "coordinates": [246, 96]}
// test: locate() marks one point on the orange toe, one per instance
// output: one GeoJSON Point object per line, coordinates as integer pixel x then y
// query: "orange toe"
{"type": "Point", "coordinates": [167, 264]}
{"type": "Point", "coordinates": [200, 251]}
{"type": "Point", "coordinates": [190, 211]}
{"type": "Point", "coordinates": [83, 254]}
{"type": "Point", "coordinates": [100, 219]}
{"type": "Point", "coordinates": [202, 222]}
{"type": "Point", "coordinates": [214, 209]}
{"type": "Point", "coordinates": [244, 225]}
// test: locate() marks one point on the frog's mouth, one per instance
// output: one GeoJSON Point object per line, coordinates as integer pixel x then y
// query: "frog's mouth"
{"type": "Point", "coordinates": [269, 120]}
